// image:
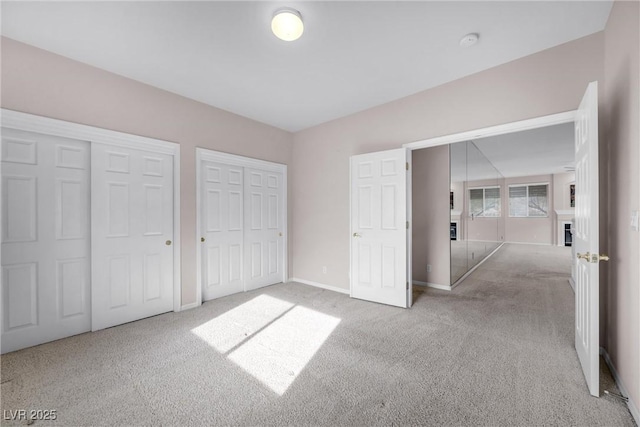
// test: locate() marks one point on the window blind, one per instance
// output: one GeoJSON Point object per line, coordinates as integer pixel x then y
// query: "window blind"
{"type": "Point", "coordinates": [538, 201]}
{"type": "Point", "coordinates": [484, 202]}
{"type": "Point", "coordinates": [528, 201]}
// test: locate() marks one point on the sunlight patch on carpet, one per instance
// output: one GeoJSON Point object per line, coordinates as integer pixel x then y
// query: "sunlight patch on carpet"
{"type": "Point", "coordinates": [270, 339]}
{"type": "Point", "coordinates": [278, 353]}
{"type": "Point", "coordinates": [235, 326]}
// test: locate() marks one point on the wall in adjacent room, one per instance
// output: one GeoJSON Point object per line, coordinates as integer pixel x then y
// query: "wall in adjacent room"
{"type": "Point", "coordinates": [431, 215]}
{"type": "Point", "coordinates": [529, 230]}
{"type": "Point", "coordinates": [561, 194]}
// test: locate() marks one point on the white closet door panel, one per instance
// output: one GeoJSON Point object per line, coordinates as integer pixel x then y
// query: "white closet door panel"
{"type": "Point", "coordinates": [264, 248]}
{"type": "Point", "coordinates": [132, 231]}
{"type": "Point", "coordinates": [221, 203]}
{"type": "Point", "coordinates": [45, 238]}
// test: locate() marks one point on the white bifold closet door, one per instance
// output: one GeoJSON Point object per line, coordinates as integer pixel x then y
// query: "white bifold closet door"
{"type": "Point", "coordinates": [222, 226]}
{"type": "Point", "coordinates": [242, 215]}
{"type": "Point", "coordinates": [264, 249]}
{"type": "Point", "coordinates": [132, 234]}
{"type": "Point", "coordinates": [45, 238]}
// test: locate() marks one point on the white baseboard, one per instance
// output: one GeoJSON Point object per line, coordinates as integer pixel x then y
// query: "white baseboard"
{"type": "Point", "coordinates": [432, 285]}
{"type": "Point", "coordinates": [631, 404]}
{"type": "Point", "coordinates": [320, 285]}
{"type": "Point", "coordinates": [189, 306]}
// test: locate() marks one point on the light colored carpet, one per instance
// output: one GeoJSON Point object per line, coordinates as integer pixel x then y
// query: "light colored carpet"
{"type": "Point", "coordinates": [498, 350]}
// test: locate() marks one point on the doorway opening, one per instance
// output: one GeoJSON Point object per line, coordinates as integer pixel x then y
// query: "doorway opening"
{"type": "Point", "coordinates": [526, 199]}
{"type": "Point", "coordinates": [370, 173]}
{"type": "Point", "coordinates": [512, 183]}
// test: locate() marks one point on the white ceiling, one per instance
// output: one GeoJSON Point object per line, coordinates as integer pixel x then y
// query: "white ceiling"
{"type": "Point", "coordinates": [542, 151]}
{"type": "Point", "coordinates": [352, 56]}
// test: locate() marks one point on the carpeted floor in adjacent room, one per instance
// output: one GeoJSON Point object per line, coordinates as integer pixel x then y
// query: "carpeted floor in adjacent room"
{"type": "Point", "coordinates": [497, 350]}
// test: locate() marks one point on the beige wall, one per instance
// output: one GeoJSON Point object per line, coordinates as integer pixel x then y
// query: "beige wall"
{"type": "Point", "coordinates": [561, 196]}
{"type": "Point", "coordinates": [431, 215]}
{"type": "Point", "coordinates": [528, 230]}
{"type": "Point", "coordinates": [39, 82]}
{"type": "Point", "coordinates": [522, 230]}
{"type": "Point", "coordinates": [548, 82]}
{"type": "Point", "coordinates": [621, 111]}
{"type": "Point", "coordinates": [517, 230]}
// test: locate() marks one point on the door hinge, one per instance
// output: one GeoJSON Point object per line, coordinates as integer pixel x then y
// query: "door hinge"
{"type": "Point", "coordinates": [407, 165]}
{"type": "Point", "coordinates": [407, 285]}
{"type": "Point", "coordinates": [407, 225]}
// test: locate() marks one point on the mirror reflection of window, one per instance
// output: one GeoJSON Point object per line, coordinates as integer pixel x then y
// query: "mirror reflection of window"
{"type": "Point", "coordinates": [484, 202]}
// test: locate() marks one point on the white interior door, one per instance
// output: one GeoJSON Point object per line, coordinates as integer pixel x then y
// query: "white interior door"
{"type": "Point", "coordinates": [586, 238]}
{"type": "Point", "coordinates": [45, 238]}
{"type": "Point", "coordinates": [222, 221]}
{"type": "Point", "coordinates": [264, 225]}
{"type": "Point", "coordinates": [132, 234]}
{"type": "Point", "coordinates": [379, 227]}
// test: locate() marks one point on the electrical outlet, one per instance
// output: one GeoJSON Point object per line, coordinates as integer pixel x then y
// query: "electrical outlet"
{"type": "Point", "coordinates": [324, 270]}
{"type": "Point", "coordinates": [428, 268]}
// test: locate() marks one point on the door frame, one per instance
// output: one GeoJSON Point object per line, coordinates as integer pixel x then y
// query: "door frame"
{"type": "Point", "coordinates": [518, 126]}
{"type": "Point", "coordinates": [91, 134]}
{"type": "Point", "coordinates": [511, 127]}
{"type": "Point", "coordinates": [244, 162]}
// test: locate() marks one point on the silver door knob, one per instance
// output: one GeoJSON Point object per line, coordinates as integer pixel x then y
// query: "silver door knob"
{"type": "Point", "coordinates": [585, 256]}
{"type": "Point", "coordinates": [356, 235]}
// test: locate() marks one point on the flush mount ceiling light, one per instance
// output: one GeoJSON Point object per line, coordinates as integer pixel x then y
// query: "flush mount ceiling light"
{"type": "Point", "coordinates": [469, 40]}
{"type": "Point", "coordinates": [287, 24]}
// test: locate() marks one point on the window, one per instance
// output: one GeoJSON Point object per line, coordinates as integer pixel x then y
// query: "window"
{"type": "Point", "coordinates": [484, 202]}
{"type": "Point", "coordinates": [528, 200]}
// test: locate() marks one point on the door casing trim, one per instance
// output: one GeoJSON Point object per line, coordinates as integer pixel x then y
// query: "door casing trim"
{"type": "Point", "coordinates": [241, 161]}
{"type": "Point", "coordinates": [519, 126]}
{"type": "Point", "coordinates": [91, 134]}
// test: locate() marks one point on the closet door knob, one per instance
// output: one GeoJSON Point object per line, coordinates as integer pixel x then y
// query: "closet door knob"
{"type": "Point", "coordinates": [168, 243]}
{"type": "Point", "coordinates": [202, 239]}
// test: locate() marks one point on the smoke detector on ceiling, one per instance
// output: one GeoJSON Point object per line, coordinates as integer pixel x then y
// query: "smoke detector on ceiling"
{"type": "Point", "coordinates": [469, 40]}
